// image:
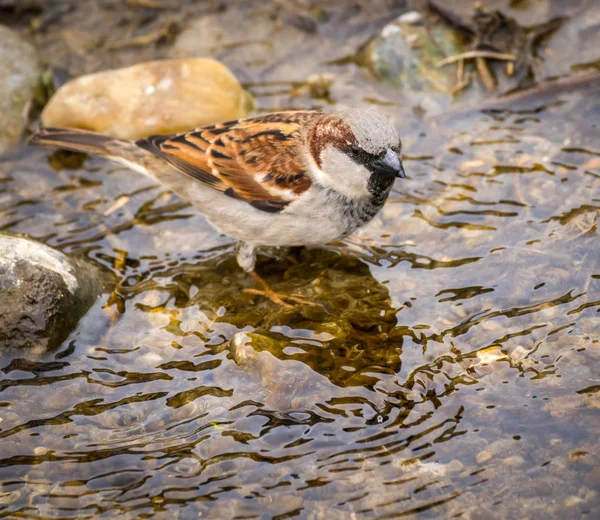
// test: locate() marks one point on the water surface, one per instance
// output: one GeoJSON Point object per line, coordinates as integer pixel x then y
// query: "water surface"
{"type": "Point", "coordinates": [453, 371]}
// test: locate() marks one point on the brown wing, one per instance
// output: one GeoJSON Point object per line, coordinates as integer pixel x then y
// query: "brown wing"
{"type": "Point", "coordinates": [256, 160]}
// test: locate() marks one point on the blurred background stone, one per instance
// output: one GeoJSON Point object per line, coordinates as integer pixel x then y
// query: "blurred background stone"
{"type": "Point", "coordinates": [20, 68]}
{"type": "Point", "coordinates": [150, 98]}
{"type": "Point", "coordinates": [406, 53]}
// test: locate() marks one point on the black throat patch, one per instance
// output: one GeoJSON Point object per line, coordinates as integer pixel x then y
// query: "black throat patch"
{"type": "Point", "coordinates": [379, 186]}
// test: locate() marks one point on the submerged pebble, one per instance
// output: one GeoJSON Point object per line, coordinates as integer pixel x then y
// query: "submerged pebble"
{"type": "Point", "coordinates": [489, 355]}
{"type": "Point", "coordinates": [484, 456]}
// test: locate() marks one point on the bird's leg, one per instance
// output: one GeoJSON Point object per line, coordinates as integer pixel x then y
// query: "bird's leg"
{"type": "Point", "coordinates": [267, 292]}
{"type": "Point", "coordinates": [246, 257]}
{"type": "Point", "coordinates": [276, 297]}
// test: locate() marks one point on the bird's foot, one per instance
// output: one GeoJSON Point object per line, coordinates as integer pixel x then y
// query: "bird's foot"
{"type": "Point", "coordinates": [279, 298]}
{"type": "Point", "coordinates": [275, 297]}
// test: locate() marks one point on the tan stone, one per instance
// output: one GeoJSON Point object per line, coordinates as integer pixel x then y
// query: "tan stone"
{"type": "Point", "coordinates": [483, 456]}
{"type": "Point", "coordinates": [515, 460]}
{"type": "Point", "coordinates": [40, 450]}
{"type": "Point", "coordinates": [150, 98]}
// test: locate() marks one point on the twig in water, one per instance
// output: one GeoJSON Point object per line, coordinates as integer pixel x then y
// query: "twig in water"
{"type": "Point", "coordinates": [459, 86]}
{"type": "Point", "coordinates": [460, 71]}
{"type": "Point", "coordinates": [486, 75]}
{"type": "Point", "coordinates": [476, 54]}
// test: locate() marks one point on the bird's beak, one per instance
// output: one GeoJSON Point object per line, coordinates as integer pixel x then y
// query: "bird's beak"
{"type": "Point", "coordinates": [401, 173]}
{"type": "Point", "coordinates": [391, 163]}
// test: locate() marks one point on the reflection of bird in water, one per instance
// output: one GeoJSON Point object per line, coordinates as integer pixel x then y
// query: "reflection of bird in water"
{"type": "Point", "coordinates": [353, 341]}
{"type": "Point", "coordinates": [283, 179]}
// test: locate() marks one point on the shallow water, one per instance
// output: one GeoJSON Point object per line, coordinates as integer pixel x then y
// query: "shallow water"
{"type": "Point", "coordinates": [452, 373]}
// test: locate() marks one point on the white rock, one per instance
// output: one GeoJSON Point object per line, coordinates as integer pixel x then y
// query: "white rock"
{"type": "Point", "coordinates": [43, 293]}
{"type": "Point", "coordinates": [15, 249]}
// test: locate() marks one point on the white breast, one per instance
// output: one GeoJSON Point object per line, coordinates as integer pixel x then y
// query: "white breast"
{"type": "Point", "coordinates": [311, 220]}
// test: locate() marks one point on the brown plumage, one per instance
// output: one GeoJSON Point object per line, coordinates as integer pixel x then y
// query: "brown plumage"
{"type": "Point", "coordinates": [257, 160]}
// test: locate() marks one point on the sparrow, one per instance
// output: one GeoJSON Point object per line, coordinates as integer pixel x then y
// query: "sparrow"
{"type": "Point", "coordinates": [291, 178]}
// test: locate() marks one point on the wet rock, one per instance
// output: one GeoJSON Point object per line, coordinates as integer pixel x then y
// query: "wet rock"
{"type": "Point", "coordinates": [483, 456]}
{"type": "Point", "coordinates": [149, 98]}
{"type": "Point", "coordinates": [43, 294]}
{"type": "Point", "coordinates": [439, 55]}
{"type": "Point", "coordinates": [21, 70]}
{"type": "Point", "coordinates": [406, 53]}
{"type": "Point", "coordinates": [241, 349]}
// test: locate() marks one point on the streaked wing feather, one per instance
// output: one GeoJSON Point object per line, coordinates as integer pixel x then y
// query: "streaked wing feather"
{"type": "Point", "coordinates": [256, 160]}
{"type": "Point", "coordinates": [173, 150]}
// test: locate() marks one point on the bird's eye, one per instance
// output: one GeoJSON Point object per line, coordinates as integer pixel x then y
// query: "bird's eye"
{"type": "Point", "coordinates": [359, 155]}
{"type": "Point", "coordinates": [353, 149]}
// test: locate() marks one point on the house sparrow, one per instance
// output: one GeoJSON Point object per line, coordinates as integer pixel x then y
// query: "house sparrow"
{"type": "Point", "coordinates": [293, 178]}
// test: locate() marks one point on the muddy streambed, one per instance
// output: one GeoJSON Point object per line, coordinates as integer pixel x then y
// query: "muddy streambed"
{"type": "Point", "coordinates": [452, 373]}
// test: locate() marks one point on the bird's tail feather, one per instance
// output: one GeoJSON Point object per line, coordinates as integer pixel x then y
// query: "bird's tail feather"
{"type": "Point", "coordinates": [75, 140]}
{"type": "Point", "coordinates": [121, 151]}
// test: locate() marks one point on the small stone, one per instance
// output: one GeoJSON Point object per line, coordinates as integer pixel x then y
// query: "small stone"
{"type": "Point", "coordinates": [489, 355]}
{"type": "Point", "coordinates": [454, 466]}
{"type": "Point", "coordinates": [573, 501]}
{"type": "Point", "coordinates": [156, 97]}
{"type": "Point", "coordinates": [519, 353]}
{"type": "Point", "coordinates": [515, 460]}
{"type": "Point", "coordinates": [581, 456]}
{"type": "Point", "coordinates": [152, 359]}
{"type": "Point", "coordinates": [472, 165]}
{"type": "Point", "coordinates": [21, 71]}
{"type": "Point", "coordinates": [241, 349]}
{"type": "Point", "coordinates": [40, 450]}
{"type": "Point", "coordinates": [483, 456]}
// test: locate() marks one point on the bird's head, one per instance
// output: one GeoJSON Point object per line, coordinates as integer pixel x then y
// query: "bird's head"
{"type": "Point", "coordinates": [356, 152]}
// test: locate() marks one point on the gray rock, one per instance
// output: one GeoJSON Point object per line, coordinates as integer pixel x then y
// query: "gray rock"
{"type": "Point", "coordinates": [43, 294]}
{"type": "Point", "coordinates": [21, 70]}
{"type": "Point", "coordinates": [406, 53]}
